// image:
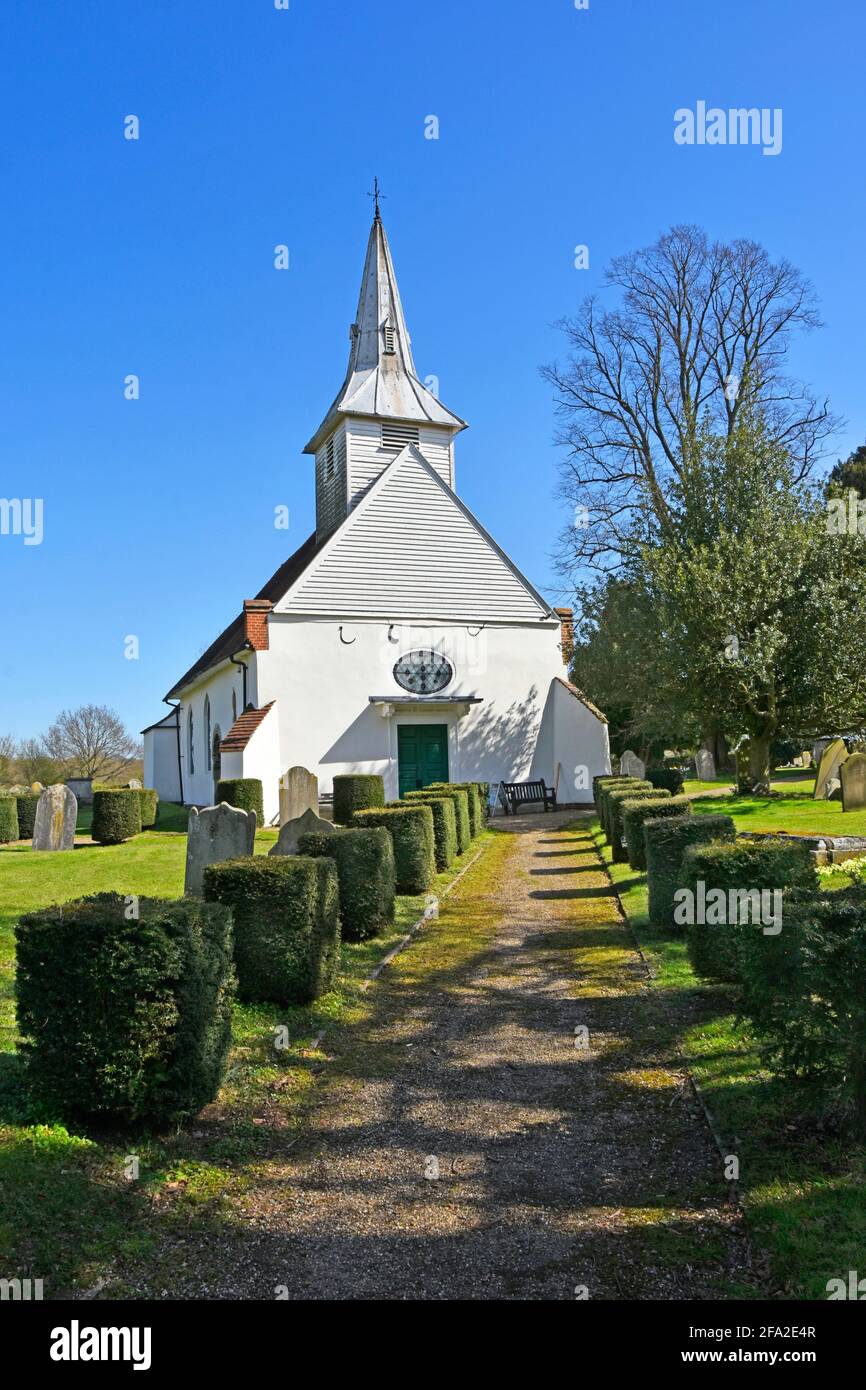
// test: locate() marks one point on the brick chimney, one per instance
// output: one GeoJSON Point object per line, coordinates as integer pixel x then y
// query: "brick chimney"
{"type": "Point", "coordinates": [256, 612]}
{"type": "Point", "coordinates": [566, 622]}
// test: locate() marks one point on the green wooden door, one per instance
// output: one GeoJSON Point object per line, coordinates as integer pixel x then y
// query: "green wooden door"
{"type": "Point", "coordinates": [422, 755]}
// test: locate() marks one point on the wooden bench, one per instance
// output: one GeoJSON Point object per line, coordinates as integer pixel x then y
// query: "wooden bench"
{"type": "Point", "coordinates": [514, 794]}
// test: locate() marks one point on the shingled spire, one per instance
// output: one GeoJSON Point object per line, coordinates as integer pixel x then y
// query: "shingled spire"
{"type": "Point", "coordinates": [381, 379]}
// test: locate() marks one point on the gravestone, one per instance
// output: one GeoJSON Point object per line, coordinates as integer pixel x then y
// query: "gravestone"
{"type": "Point", "coordinates": [853, 776]}
{"type": "Point", "coordinates": [818, 749]}
{"type": "Point", "coordinates": [56, 814]}
{"type": "Point", "coordinates": [291, 832]}
{"type": "Point", "coordinates": [37, 787]}
{"type": "Point", "coordinates": [705, 765]}
{"type": "Point", "coordinates": [299, 792]}
{"type": "Point", "coordinates": [630, 765]}
{"type": "Point", "coordinates": [134, 784]}
{"type": "Point", "coordinates": [834, 755]}
{"type": "Point", "coordinates": [216, 833]}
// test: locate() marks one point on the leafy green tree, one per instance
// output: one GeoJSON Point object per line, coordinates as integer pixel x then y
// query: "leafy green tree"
{"type": "Point", "coordinates": [849, 473]}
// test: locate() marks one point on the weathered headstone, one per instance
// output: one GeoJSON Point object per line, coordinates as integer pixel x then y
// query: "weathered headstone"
{"type": "Point", "coordinates": [705, 765]}
{"type": "Point", "coordinates": [134, 784]}
{"type": "Point", "coordinates": [834, 755]}
{"type": "Point", "coordinates": [299, 792]}
{"type": "Point", "coordinates": [630, 765]}
{"type": "Point", "coordinates": [56, 814]}
{"type": "Point", "coordinates": [853, 777]}
{"type": "Point", "coordinates": [291, 832]}
{"type": "Point", "coordinates": [818, 749]}
{"type": "Point", "coordinates": [216, 833]}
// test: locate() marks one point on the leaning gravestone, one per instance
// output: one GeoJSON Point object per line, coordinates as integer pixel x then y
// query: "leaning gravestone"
{"type": "Point", "coordinates": [705, 765]}
{"type": "Point", "coordinates": [853, 776]}
{"type": "Point", "coordinates": [630, 765]}
{"type": "Point", "coordinates": [216, 833]}
{"type": "Point", "coordinates": [299, 792]}
{"type": "Point", "coordinates": [291, 832]}
{"type": "Point", "coordinates": [56, 814]}
{"type": "Point", "coordinates": [819, 747]}
{"type": "Point", "coordinates": [834, 755]}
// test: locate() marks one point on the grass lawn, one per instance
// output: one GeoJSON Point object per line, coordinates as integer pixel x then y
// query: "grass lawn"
{"type": "Point", "coordinates": [67, 1208]}
{"type": "Point", "coordinates": [803, 1187]}
{"type": "Point", "coordinates": [784, 779]}
{"type": "Point", "coordinates": [796, 814]}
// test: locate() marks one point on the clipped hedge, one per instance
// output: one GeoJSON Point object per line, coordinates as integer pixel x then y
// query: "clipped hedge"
{"type": "Point", "coordinates": [669, 778]}
{"type": "Point", "coordinates": [365, 873]}
{"type": "Point", "coordinates": [667, 840]}
{"type": "Point", "coordinates": [477, 814]}
{"type": "Point", "coordinates": [460, 800]}
{"type": "Point", "coordinates": [27, 804]}
{"type": "Point", "coordinates": [614, 802]}
{"type": "Point", "coordinates": [149, 802]}
{"type": "Point", "coordinates": [411, 829]}
{"type": "Point", "coordinates": [123, 1016]}
{"type": "Point", "coordinates": [635, 813]}
{"type": "Point", "coordinates": [356, 792]}
{"type": "Point", "coordinates": [8, 819]}
{"type": "Point", "coordinates": [286, 911]}
{"type": "Point", "coordinates": [444, 827]}
{"type": "Point", "coordinates": [116, 815]}
{"type": "Point", "coordinates": [606, 791]}
{"type": "Point", "coordinates": [739, 870]}
{"type": "Point", "coordinates": [245, 793]}
{"type": "Point", "coordinates": [804, 993]}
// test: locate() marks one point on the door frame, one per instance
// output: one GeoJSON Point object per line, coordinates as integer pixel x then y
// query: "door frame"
{"type": "Point", "coordinates": [423, 724]}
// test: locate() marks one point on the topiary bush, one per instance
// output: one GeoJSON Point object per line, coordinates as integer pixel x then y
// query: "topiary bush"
{"type": "Point", "coordinates": [365, 873]}
{"type": "Point", "coordinates": [126, 1017]}
{"type": "Point", "coordinates": [666, 840]}
{"type": "Point", "coordinates": [149, 804]}
{"type": "Point", "coordinates": [245, 793]}
{"type": "Point", "coordinates": [476, 814]}
{"type": "Point", "coordinates": [356, 791]}
{"type": "Point", "coordinates": [669, 778]}
{"type": "Point", "coordinates": [804, 993]}
{"type": "Point", "coordinates": [411, 829]}
{"type": "Point", "coordinates": [459, 799]}
{"type": "Point", "coordinates": [444, 827]}
{"type": "Point", "coordinates": [116, 815]}
{"type": "Point", "coordinates": [8, 819]}
{"type": "Point", "coordinates": [606, 790]}
{"type": "Point", "coordinates": [286, 911]}
{"type": "Point", "coordinates": [635, 813]}
{"type": "Point", "coordinates": [740, 871]}
{"type": "Point", "coordinates": [26, 804]}
{"type": "Point", "coordinates": [614, 801]}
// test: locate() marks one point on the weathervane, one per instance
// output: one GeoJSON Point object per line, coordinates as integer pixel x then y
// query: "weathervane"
{"type": "Point", "coordinates": [376, 195]}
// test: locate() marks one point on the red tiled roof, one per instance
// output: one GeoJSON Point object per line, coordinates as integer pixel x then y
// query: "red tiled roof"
{"type": "Point", "coordinates": [579, 695]}
{"type": "Point", "coordinates": [243, 729]}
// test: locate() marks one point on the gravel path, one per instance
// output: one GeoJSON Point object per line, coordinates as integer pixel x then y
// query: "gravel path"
{"type": "Point", "coordinates": [464, 1147]}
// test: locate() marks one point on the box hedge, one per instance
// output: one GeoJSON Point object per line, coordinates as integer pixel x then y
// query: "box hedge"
{"type": "Point", "coordinates": [634, 813]}
{"type": "Point", "coordinates": [365, 873]}
{"type": "Point", "coordinates": [286, 911]}
{"type": "Point", "coordinates": [667, 840]}
{"type": "Point", "coordinates": [8, 819]}
{"type": "Point", "coordinates": [605, 778]}
{"type": "Point", "coordinates": [149, 802]}
{"type": "Point", "coordinates": [116, 815]}
{"type": "Point", "coordinates": [670, 778]}
{"type": "Point", "coordinates": [27, 803]}
{"type": "Point", "coordinates": [477, 813]}
{"type": "Point", "coordinates": [411, 829]}
{"type": "Point", "coordinates": [741, 869]}
{"type": "Point", "coordinates": [804, 993]}
{"type": "Point", "coordinates": [444, 827]}
{"type": "Point", "coordinates": [356, 792]}
{"type": "Point", "coordinates": [124, 1016]}
{"type": "Point", "coordinates": [613, 803]}
{"type": "Point", "coordinates": [460, 801]}
{"type": "Point", "coordinates": [605, 792]}
{"type": "Point", "coordinates": [245, 793]}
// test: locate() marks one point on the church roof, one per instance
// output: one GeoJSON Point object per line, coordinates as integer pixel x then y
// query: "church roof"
{"type": "Point", "coordinates": [243, 729]}
{"type": "Point", "coordinates": [381, 379]}
{"type": "Point", "coordinates": [231, 639]}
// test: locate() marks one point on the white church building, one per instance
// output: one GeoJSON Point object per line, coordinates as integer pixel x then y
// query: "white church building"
{"type": "Point", "coordinates": [399, 639]}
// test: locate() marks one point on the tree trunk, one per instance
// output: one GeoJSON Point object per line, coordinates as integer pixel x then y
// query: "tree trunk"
{"type": "Point", "coordinates": [759, 762]}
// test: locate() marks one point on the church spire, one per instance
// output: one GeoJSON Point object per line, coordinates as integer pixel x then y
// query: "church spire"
{"type": "Point", "coordinates": [381, 378]}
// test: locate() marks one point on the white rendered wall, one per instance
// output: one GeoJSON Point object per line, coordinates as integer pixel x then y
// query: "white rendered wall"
{"type": "Point", "coordinates": [198, 787]}
{"type": "Point", "coordinates": [160, 762]}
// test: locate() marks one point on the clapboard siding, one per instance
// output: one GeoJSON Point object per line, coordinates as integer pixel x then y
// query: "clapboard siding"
{"type": "Point", "coordinates": [367, 458]}
{"type": "Point", "coordinates": [411, 551]}
{"type": "Point", "coordinates": [331, 483]}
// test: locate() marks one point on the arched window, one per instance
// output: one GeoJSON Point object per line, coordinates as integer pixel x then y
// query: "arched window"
{"type": "Point", "coordinates": [190, 741]}
{"type": "Point", "coordinates": [207, 751]}
{"type": "Point", "coordinates": [234, 706]}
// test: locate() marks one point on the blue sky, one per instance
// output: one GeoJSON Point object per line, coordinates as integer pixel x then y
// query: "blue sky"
{"type": "Point", "coordinates": [261, 126]}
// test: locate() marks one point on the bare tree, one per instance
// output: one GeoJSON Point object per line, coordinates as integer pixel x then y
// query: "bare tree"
{"type": "Point", "coordinates": [701, 333]}
{"type": "Point", "coordinates": [35, 764]}
{"type": "Point", "coordinates": [91, 742]}
{"type": "Point", "coordinates": [7, 757]}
